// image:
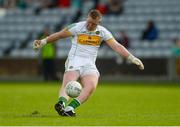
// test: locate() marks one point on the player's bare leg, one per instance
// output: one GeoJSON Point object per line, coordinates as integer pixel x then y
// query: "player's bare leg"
{"type": "Point", "coordinates": [68, 76]}
{"type": "Point", "coordinates": [89, 83]}
{"type": "Point", "coordinates": [63, 97]}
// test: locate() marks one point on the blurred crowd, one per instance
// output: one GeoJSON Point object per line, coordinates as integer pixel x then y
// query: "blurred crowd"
{"type": "Point", "coordinates": [108, 7]}
{"type": "Point", "coordinates": [23, 4]}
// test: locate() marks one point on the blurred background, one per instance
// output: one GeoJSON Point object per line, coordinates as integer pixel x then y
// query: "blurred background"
{"type": "Point", "coordinates": [149, 29]}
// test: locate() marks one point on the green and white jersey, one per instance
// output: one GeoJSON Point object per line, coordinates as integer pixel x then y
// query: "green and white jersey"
{"type": "Point", "coordinates": [86, 43]}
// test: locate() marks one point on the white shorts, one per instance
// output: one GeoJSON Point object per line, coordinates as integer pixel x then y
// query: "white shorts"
{"type": "Point", "coordinates": [84, 66]}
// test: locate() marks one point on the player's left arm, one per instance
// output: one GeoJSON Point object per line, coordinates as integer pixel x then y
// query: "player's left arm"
{"type": "Point", "coordinates": [120, 49]}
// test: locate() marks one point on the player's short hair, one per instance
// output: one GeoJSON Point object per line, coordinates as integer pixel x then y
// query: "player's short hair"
{"type": "Point", "coordinates": [95, 14]}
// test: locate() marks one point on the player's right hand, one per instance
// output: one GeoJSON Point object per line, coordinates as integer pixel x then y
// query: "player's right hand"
{"type": "Point", "coordinates": [37, 44]}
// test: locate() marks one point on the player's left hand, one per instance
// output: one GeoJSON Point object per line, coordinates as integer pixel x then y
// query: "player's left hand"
{"type": "Point", "coordinates": [136, 61]}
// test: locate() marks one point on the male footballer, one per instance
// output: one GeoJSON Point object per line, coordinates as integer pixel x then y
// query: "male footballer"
{"type": "Point", "coordinates": [86, 37]}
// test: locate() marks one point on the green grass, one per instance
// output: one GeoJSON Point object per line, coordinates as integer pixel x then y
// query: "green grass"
{"type": "Point", "coordinates": [112, 104]}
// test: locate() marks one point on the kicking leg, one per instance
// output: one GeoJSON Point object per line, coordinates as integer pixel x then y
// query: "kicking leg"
{"type": "Point", "coordinates": [89, 83]}
{"type": "Point", "coordinates": [63, 97]}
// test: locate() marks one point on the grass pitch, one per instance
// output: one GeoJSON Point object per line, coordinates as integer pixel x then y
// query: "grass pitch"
{"type": "Point", "coordinates": [112, 104]}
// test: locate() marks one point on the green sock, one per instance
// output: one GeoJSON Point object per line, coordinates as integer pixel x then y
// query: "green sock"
{"type": "Point", "coordinates": [74, 103]}
{"type": "Point", "coordinates": [62, 100]}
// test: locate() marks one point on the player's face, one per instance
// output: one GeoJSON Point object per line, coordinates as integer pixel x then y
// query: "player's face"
{"type": "Point", "coordinates": [92, 23]}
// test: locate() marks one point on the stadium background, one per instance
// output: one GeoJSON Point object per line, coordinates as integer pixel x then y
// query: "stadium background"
{"type": "Point", "coordinates": [22, 21]}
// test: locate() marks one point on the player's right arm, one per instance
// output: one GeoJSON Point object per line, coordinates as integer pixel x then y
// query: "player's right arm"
{"type": "Point", "coordinates": [59, 35]}
{"type": "Point", "coordinates": [52, 38]}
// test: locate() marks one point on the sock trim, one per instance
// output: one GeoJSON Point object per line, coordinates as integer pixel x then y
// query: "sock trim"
{"type": "Point", "coordinates": [63, 99]}
{"type": "Point", "coordinates": [74, 103]}
{"type": "Point", "coordinates": [77, 101]}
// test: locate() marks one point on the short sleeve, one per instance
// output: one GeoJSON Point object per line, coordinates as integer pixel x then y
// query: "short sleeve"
{"type": "Point", "coordinates": [72, 28]}
{"type": "Point", "coordinates": [107, 34]}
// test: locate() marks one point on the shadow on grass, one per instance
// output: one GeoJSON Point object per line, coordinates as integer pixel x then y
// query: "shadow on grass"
{"type": "Point", "coordinates": [34, 114]}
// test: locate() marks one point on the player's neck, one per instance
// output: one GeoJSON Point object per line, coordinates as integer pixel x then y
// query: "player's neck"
{"type": "Point", "coordinates": [90, 29]}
